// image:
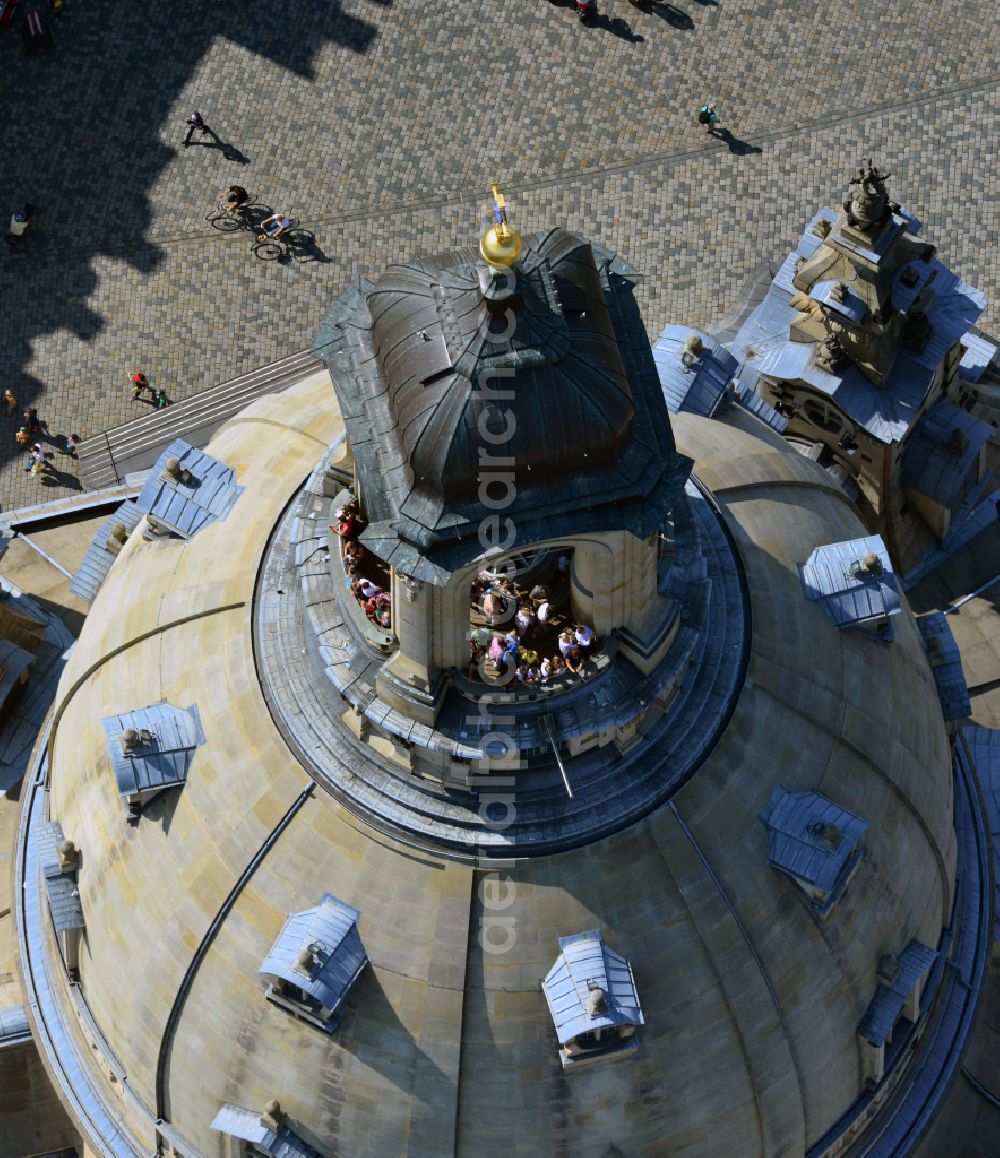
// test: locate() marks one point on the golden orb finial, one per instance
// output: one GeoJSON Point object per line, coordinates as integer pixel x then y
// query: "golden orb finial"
{"type": "Point", "coordinates": [500, 244]}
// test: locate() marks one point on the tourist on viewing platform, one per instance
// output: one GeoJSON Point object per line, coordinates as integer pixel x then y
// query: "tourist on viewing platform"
{"type": "Point", "coordinates": [353, 551]}
{"type": "Point", "coordinates": [567, 643]}
{"type": "Point", "coordinates": [495, 651]}
{"type": "Point", "coordinates": [524, 620]}
{"type": "Point", "coordinates": [575, 660]}
{"type": "Point", "coordinates": [347, 526]}
{"type": "Point", "coordinates": [369, 589]}
{"type": "Point", "coordinates": [494, 606]}
{"type": "Point", "coordinates": [584, 636]}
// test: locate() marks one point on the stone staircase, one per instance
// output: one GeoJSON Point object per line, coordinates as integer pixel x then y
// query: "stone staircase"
{"type": "Point", "coordinates": [108, 458]}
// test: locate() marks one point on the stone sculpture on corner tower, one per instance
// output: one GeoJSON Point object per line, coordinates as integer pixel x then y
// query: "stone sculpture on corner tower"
{"type": "Point", "coordinates": [868, 207]}
{"type": "Point", "coordinates": [865, 343]}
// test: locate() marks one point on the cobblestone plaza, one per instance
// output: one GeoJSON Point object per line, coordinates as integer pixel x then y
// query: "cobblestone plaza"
{"type": "Point", "coordinates": [378, 125]}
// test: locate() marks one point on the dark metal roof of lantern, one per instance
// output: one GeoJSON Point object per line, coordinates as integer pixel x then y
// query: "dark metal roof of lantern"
{"type": "Point", "coordinates": [414, 360]}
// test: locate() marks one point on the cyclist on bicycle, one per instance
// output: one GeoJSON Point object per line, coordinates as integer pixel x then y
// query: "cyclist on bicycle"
{"type": "Point", "coordinates": [235, 197]}
{"type": "Point", "coordinates": [275, 225]}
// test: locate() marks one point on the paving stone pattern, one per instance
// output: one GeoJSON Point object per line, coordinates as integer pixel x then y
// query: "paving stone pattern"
{"type": "Point", "coordinates": [379, 123]}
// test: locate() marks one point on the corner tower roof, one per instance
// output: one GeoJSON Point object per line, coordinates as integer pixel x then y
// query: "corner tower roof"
{"type": "Point", "coordinates": [439, 387]}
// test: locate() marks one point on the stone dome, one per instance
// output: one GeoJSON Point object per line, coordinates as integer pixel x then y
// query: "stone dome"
{"type": "Point", "coordinates": [750, 999]}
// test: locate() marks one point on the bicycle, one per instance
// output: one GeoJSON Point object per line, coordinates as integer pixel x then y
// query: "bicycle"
{"type": "Point", "coordinates": [230, 221]}
{"type": "Point", "coordinates": [268, 247]}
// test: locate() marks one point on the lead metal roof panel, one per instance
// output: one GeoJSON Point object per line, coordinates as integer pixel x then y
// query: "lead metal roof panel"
{"type": "Point", "coordinates": [186, 508]}
{"type": "Point", "coordinates": [933, 464]}
{"type": "Point", "coordinates": [887, 1004]}
{"type": "Point", "coordinates": [14, 1025]}
{"type": "Point", "coordinates": [977, 353]}
{"type": "Point", "coordinates": [700, 388]}
{"type": "Point", "coordinates": [290, 1145]}
{"type": "Point", "coordinates": [64, 897]}
{"type": "Point", "coordinates": [798, 828]}
{"type": "Point", "coordinates": [245, 1124]}
{"type": "Point", "coordinates": [753, 402]}
{"type": "Point", "coordinates": [14, 661]}
{"type": "Point", "coordinates": [161, 763]}
{"type": "Point", "coordinates": [338, 954]}
{"type": "Point", "coordinates": [946, 665]}
{"type": "Point", "coordinates": [832, 576]}
{"type": "Point", "coordinates": [97, 562]}
{"type": "Point", "coordinates": [586, 963]}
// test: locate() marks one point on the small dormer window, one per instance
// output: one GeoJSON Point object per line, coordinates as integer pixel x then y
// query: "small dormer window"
{"type": "Point", "coordinates": [894, 1009]}
{"type": "Point", "coordinates": [252, 1133]}
{"type": "Point", "coordinates": [187, 490]}
{"type": "Point", "coordinates": [593, 1001]}
{"type": "Point", "coordinates": [59, 862]}
{"type": "Point", "coordinates": [854, 583]}
{"type": "Point", "coordinates": [814, 842]}
{"type": "Point", "coordinates": [151, 750]}
{"type": "Point", "coordinates": [315, 962]}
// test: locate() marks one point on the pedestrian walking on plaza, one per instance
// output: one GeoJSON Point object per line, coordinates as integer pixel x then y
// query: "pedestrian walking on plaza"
{"type": "Point", "coordinates": [196, 121]}
{"type": "Point", "coordinates": [70, 443]}
{"type": "Point", "coordinates": [709, 117]}
{"type": "Point", "coordinates": [140, 383]}
{"type": "Point", "coordinates": [37, 462]}
{"type": "Point", "coordinates": [11, 401]}
{"type": "Point", "coordinates": [22, 437]}
{"type": "Point", "coordinates": [30, 417]}
{"type": "Point", "coordinates": [160, 399]}
{"type": "Point", "coordinates": [20, 220]}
